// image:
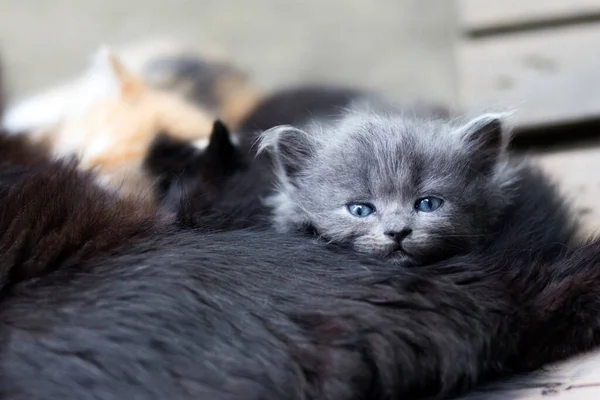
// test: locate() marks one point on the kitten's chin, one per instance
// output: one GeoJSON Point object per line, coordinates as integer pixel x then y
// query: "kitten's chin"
{"type": "Point", "coordinates": [392, 253]}
{"type": "Point", "coordinates": [399, 256]}
{"type": "Point", "coordinates": [396, 256]}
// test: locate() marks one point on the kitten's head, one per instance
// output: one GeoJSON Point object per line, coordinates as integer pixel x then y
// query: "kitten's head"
{"type": "Point", "coordinates": [175, 161]}
{"type": "Point", "coordinates": [211, 189]}
{"type": "Point", "coordinates": [392, 186]}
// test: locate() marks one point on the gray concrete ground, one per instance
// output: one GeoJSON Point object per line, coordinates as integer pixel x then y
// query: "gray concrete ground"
{"type": "Point", "coordinates": [400, 47]}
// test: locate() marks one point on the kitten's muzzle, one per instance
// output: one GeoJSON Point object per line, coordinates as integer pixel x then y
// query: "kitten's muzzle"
{"type": "Point", "coordinates": [398, 255]}
{"type": "Point", "coordinates": [397, 250]}
{"type": "Point", "coordinates": [398, 236]}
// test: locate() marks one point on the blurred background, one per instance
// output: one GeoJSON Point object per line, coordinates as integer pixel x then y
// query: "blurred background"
{"type": "Point", "coordinates": [538, 57]}
{"type": "Point", "coordinates": [395, 46]}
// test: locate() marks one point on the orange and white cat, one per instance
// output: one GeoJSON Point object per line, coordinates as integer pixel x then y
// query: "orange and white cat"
{"type": "Point", "coordinates": [210, 79]}
{"type": "Point", "coordinates": [108, 118]}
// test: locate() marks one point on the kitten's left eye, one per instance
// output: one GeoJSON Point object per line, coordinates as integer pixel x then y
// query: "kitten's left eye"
{"type": "Point", "coordinates": [428, 204]}
{"type": "Point", "coordinates": [361, 210]}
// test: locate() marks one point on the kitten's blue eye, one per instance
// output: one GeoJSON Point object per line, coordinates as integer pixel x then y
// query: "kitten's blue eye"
{"type": "Point", "coordinates": [428, 204]}
{"type": "Point", "coordinates": [360, 210]}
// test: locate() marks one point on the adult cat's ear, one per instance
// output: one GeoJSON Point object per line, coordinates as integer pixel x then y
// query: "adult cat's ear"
{"type": "Point", "coordinates": [291, 147]}
{"type": "Point", "coordinates": [487, 134]}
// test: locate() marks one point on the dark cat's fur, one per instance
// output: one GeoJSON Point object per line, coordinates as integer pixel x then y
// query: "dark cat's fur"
{"type": "Point", "coordinates": [99, 300]}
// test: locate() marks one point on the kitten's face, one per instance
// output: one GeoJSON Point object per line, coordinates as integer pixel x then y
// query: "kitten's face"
{"type": "Point", "coordinates": [391, 187]}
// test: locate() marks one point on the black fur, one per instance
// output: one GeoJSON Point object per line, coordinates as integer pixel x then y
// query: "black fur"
{"type": "Point", "coordinates": [538, 223]}
{"type": "Point", "coordinates": [171, 159]}
{"type": "Point", "coordinates": [166, 313]}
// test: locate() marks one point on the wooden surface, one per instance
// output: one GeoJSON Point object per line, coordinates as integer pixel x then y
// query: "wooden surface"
{"type": "Point", "coordinates": [486, 14]}
{"type": "Point", "coordinates": [574, 379]}
{"type": "Point", "coordinates": [548, 76]}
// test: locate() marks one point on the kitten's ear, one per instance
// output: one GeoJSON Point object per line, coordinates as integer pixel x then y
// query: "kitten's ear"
{"type": "Point", "coordinates": [221, 155]}
{"type": "Point", "coordinates": [486, 134]}
{"type": "Point", "coordinates": [109, 70]}
{"type": "Point", "coordinates": [291, 147]}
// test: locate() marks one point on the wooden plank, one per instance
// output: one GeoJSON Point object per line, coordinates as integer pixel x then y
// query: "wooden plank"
{"type": "Point", "coordinates": [548, 76]}
{"type": "Point", "coordinates": [487, 14]}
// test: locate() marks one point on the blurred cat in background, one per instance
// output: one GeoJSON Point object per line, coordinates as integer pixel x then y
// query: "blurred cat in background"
{"type": "Point", "coordinates": [108, 117]}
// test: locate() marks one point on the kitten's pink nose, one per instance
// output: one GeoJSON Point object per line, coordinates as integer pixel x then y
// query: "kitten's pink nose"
{"type": "Point", "coordinates": [398, 236]}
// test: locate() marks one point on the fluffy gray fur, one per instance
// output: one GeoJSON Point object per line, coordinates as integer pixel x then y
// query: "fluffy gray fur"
{"type": "Point", "coordinates": [391, 161]}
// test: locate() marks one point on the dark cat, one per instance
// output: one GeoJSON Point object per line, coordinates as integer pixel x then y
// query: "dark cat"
{"type": "Point", "coordinates": [99, 300]}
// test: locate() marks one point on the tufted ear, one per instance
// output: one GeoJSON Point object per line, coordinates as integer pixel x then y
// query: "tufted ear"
{"type": "Point", "coordinates": [486, 135]}
{"type": "Point", "coordinates": [292, 148]}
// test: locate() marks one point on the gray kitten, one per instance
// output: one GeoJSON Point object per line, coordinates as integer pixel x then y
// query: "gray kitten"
{"type": "Point", "coordinates": [393, 186]}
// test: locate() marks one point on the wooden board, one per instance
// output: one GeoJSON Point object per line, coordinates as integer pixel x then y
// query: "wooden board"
{"type": "Point", "coordinates": [488, 14]}
{"type": "Point", "coordinates": [549, 76]}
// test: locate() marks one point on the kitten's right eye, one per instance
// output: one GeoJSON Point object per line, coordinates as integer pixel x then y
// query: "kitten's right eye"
{"type": "Point", "coordinates": [361, 210]}
{"type": "Point", "coordinates": [428, 204]}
